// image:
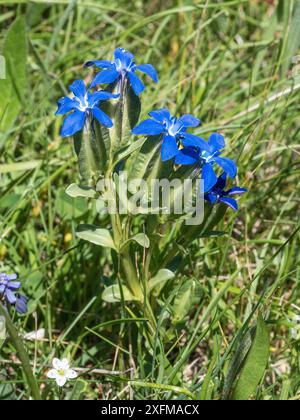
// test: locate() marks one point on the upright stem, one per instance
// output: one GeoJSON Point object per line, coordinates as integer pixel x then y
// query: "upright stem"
{"type": "Point", "coordinates": [131, 275]}
{"type": "Point", "coordinates": [21, 351]}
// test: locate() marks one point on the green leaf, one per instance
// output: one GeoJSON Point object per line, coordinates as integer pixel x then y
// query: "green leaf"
{"type": "Point", "coordinates": [7, 390]}
{"type": "Point", "coordinates": [209, 375]}
{"type": "Point", "coordinates": [212, 234]}
{"type": "Point", "coordinates": [19, 167]}
{"type": "Point", "coordinates": [189, 295]}
{"type": "Point", "coordinates": [141, 238]}
{"type": "Point", "coordinates": [13, 88]}
{"type": "Point", "coordinates": [91, 153]}
{"type": "Point", "coordinates": [157, 283]}
{"type": "Point", "coordinates": [10, 200]}
{"type": "Point", "coordinates": [237, 362]}
{"type": "Point", "coordinates": [79, 389]}
{"type": "Point", "coordinates": [112, 294]}
{"type": "Point", "coordinates": [255, 363]}
{"type": "Point", "coordinates": [126, 112]}
{"type": "Point", "coordinates": [68, 207]}
{"type": "Point", "coordinates": [143, 162]}
{"type": "Point", "coordinates": [212, 217]}
{"type": "Point", "coordinates": [96, 235]}
{"type": "Point", "coordinates": [75, 191]}
{"type": "Point", "coordinates": [293, 43]}
{"type": "Point", "coordinates": [124, 153]}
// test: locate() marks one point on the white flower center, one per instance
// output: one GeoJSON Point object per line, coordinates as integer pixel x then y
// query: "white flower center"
{"type": "Point", "coordinates": [83, 103]}
{"type": "Point", "coordinates": [121, 67]}
{"type": "Point", "coordinates": [172, 130]}
{"type": "Point", "coordinates": [170, 126]}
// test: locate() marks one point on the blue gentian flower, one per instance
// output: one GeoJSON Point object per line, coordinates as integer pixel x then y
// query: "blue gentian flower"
{"type": "Point", "coordinates": [195, 154]}
{"type": "Point", "coordinates": [123, 67]}
{"type": "Point", "coordinates": [172, 129]}
{"type": "Point", "coordinates": [9, 288]}
{"type": "Point", "coordinates": [83, 104]}
{"type": "Point", "coordinates": [218, 193]}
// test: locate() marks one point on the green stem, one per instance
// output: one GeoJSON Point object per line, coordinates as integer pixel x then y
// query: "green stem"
{"type": "Point", "coordinates": [131, 276]}
{"type": "Point", "coordinates": [135, 287]}
{"type": "Point", "coordinates": [22, 354]}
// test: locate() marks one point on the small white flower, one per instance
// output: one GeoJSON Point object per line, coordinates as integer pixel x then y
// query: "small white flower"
{"type": "Point", "coordinates": [61, 372]}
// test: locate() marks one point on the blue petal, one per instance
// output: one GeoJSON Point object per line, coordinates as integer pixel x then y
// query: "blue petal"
{"type": "Point", "coordinates": [11, 298]}
{"type": "Point", "coordinates": [217, 142]}
{"type": "Point", "coordinates": [211, 197]}
{"type": "Point", "coordinates": [189, 140]}
{"type": "Point", "coordinates": [186, 157]}
{"type": "Point", "coordinates": [149, 70]}
{"type": "Point", "coordinates": [72, 124]}
{"type": "Point", "coordinates": [96, 97]}
{"type": "Point", "coordinates": [169, 148]}
{"type": "Point", "coordinates": [161, 115]}
{"type": "Point", "coordinates": [136, 83]}
{"type": "Point", "coordinates": [189, 121]}
{"type": "Point", "coordinates": [237, 191]}
{"type": "Point", "coordinates": [221, 184]}
{"type": "Point", "coordinates": [21, 305]}
{"type": "Point", "coordinates": [125, 57]}
{"type": "Point", "coordinates": [102, 117]}
{"type": "Point", "coordinates": [66, 105]}
{"type": "Point", "coordinates": [227, 165]}
{"type": "Point", "coordinates": [78, 88]}
{"type": "Point", "coordinates": [230, 202]}
{"type": "Point", "coordinates": [209, 177]}
{"type": "Point", "coordinates": [149, 128]}
{"type": "Point", "coordinates": [105, 77]}
{"type": "Point", "coordinates": [102, 64]}
{"type": "Point", "coordinates": [11, 277]}
{"type": "Point", "coordinates": [14, 285]}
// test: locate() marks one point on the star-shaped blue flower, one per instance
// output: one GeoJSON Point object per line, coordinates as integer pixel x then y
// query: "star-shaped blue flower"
{"type": "Point", "coordinates": [83, 104]}
{"type": "Point", "coordinates": [218, 193]}
{"type": "Point", "coordinates": [195, 154]}
{"type": "Point", "coordinates": [123, 67]}
{"type": "Point", "coordinates": [173, 130]}
{"type": "Point", "coordinates": [9, 288]}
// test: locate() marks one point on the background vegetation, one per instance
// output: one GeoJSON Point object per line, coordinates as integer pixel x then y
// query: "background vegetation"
{"type": "Point", "coordinates": [232, 63]}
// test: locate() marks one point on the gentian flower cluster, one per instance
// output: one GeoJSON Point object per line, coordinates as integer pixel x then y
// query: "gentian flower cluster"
{"type": "Point", "coordinates": [218, 193]}
{"type": "Point", "coordinates": [177, 143]}
{"type": "Point", "coordinates": [85, 104]}
{"type": "Point", "coordinates": [195, 150]}
{"type": "Point", "coordinates": [9, 292]}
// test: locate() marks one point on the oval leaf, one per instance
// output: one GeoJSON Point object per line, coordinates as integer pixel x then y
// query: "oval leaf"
{"type": "Point", "coordinates": [75, 191]}
{"type": "Point", "coordinates": [160, 279]}
{"type": "Point", "coordinates": [255, 364]}
{"type": "Point", "coordinates": [112, 294]}
{"type": "Point", "coordinates": [188, 296]}
{"type": "Point", "coordinates": [96, 235]}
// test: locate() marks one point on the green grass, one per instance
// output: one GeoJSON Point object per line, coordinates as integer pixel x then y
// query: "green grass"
{"type": "Point", "coordinates": [230, 63]}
